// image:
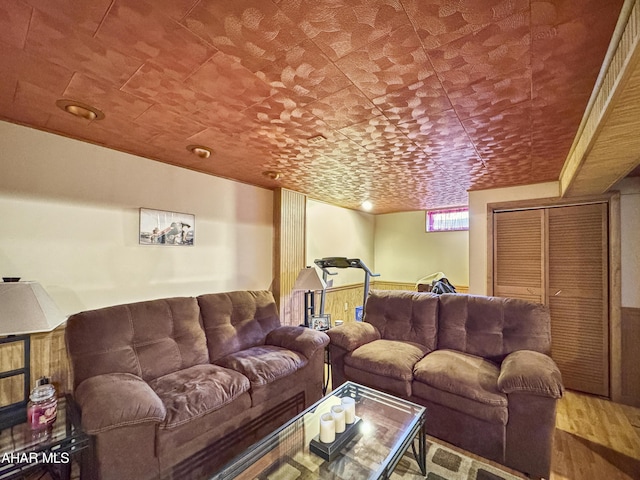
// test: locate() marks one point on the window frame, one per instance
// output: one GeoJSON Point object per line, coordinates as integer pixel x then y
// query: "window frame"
{"type": "Point", "coordinates": [430, 213]}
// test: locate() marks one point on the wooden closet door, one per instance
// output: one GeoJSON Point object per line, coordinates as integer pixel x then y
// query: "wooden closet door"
{"type": "Point", "coordinates": [577, 278]}
{"type": "Point", "coordinates": [518, 255]}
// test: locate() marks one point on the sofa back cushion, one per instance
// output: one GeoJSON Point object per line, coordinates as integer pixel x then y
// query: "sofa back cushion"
{"type": "Point", "coordinates": [492, 327]}
{"type": "Point", "coordinates": [235, 321]}
{"type": "Point", "coordinates": [404, 316]}
{"type": "Point", "coordinates": [148, 339]}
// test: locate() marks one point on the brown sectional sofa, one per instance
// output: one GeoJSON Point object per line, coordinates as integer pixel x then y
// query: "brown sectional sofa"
{"type": "Point", "coordinates": [479, 364]}
{"type": "Point", "coordinates": [157, 381]}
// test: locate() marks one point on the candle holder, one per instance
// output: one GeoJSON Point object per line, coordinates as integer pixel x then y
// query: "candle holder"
{"type": "Point", "coordinates": [329, 451]}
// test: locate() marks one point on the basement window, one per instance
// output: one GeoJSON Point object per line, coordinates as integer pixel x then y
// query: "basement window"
{"type": "Point", "coordinates": [448, 220]}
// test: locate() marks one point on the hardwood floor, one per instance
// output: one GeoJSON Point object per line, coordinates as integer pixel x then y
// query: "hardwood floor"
{"type": "Point", "coordinates": [595, 439]}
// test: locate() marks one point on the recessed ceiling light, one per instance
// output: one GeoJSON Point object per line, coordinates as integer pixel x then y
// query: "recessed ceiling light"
{"type": "Point", "coordinates": [80, 109]}
{"type": "Point", "coordinates": [272, 174]}
{"type": "Point", "coordinates": [367, 205]}
{"type": "Point", "coordinates": [200, 151]}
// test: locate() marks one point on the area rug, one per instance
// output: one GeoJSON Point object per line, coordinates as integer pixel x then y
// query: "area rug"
{"type": "Point", "coordinates": [444, 463]}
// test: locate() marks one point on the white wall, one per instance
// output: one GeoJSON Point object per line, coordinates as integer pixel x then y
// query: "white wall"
{"type": "Point", "coordinates": [340, 232]}
{"type": "Point", "coordinates": [478, 201]}
{"type": "Point", "coordinates": [630, 239]}
{"type": "Point", "coordinates": [405, 252]}
{"type": "Point", "coordinates": [70, 212]}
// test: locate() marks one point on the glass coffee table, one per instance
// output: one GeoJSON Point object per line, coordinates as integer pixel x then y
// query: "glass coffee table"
{"type": "Point", "coordinates": [386, 428]}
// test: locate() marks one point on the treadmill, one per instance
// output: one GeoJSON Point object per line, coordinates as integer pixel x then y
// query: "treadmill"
{"type": "Point", "coordinates": [343, 262]}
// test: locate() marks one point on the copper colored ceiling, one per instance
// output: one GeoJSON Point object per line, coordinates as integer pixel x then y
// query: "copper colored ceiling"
{"type": "Point", "coordinates": [418, 100]}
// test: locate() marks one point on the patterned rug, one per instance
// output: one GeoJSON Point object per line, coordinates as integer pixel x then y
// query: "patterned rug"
{"type": "Point", "coordinates": [444, 463]}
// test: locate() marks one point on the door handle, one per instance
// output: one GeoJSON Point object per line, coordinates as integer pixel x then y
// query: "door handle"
{"type": "Point", "coordinates": [557, 293]}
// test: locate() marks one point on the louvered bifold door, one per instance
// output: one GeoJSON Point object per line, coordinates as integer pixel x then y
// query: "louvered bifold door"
{"type": "Point", "coordinates": [518, 255]}
{"type": "Point", "coordinates": [578, 295]}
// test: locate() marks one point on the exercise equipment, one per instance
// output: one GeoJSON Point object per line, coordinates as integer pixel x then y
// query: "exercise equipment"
{"type": "Point", "coordinates": [343, 262]}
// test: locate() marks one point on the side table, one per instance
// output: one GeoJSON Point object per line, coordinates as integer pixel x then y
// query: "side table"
{"type": "Point", "coordinates": [23, 450]}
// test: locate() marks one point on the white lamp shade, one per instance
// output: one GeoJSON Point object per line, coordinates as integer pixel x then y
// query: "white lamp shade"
{"type": "Point", "coordinates": [308, 279]}
{"type": "Point", "coordinates": [25, 307]}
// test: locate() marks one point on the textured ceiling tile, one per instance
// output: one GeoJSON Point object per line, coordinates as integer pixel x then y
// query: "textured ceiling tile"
{"type": "Point", "coordinates": [488, 54]}
{"type": "Point", "coordinates": [53, 40]}
{"type": "Point", "coordinates": [169, 121]}
{"type": "Point", "coordinates": [343, 108]}
{"type": "Point", "coordinates": [505, 137]}
{"type": "Point", "coordinates": [84, 15]}
{"type": "Point", "coordinates": [460, 165]}
{"type": "Point", "coordinates": [15, 64]}
{"type": "Point", "coordinates": [547, 12]}
{"type": "Point", "coordinates": [376, 133]}
{"type": "Point", "coordinates": [414, 101]}
{"type": "Point", "coordinates": [175, 9]}
{"type": "Point", "coordinates": [29, 95]}
{"type": "Point", "coordinates": [567, 56]}
{"type": "Point", "coordinates": [441, 131]}
{"type": "Point", "coordinates": [339, 27]}
{"type": "Point", "coordinates": [254, 31]}
{"type": "Point", "coordinates": [487, 97]}
{"type": "Point", "coordinates": [387, 64]}
{"type": "Point", "coordinates": [229, 82]}
{"type": "Point", "coordinates": [440, 22]}
{"type": "Point", "coordinates": [257, 80]}
{"type": "Point", "coordinates": [151, 84]}
{"type": "Point", "coordinates": [138, 28]}
{"type": "Point", "coordinates": [106, 98]}
{"type": "Point", "coordinates": [304, 73]}
{"type": "Point", "coordinates": [14, 22]}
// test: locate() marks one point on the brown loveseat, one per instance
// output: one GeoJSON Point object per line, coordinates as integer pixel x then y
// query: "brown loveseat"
{"type": "Point", "coordinates": [159, 380]}
{"type": "Point", "coordinates": [479, 364]}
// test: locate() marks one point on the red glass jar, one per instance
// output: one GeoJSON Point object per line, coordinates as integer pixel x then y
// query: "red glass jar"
{"type": "Point", "coordinates": [43, 407]}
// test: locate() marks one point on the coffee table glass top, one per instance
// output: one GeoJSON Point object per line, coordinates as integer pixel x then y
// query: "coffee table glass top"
{"type": "Point", "coordinates": [24, 449]}
{"type": "Point", "coordinates": [387, 428]}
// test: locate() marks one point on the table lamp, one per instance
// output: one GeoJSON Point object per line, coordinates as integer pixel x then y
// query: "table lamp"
{"type": "Point", "coordinates": [25, 308]}
{"type": "Point", "coordinates": [309, 281]}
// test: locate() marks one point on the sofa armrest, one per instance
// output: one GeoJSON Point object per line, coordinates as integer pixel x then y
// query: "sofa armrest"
{"type": "Point", "coordinates": [526, 371]}
{"type": "Point", "coordinates": [300, 339]}
{"type": "Point", "coordinates": [350, 336]}
{"type": "Point", "coordinates": [113, 400]}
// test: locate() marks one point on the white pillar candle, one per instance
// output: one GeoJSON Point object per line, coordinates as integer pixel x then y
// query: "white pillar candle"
{"type": "Point", "coordinates": [349, 405]}
{"type": "Point", "coordinates": [338, 417]}
{"type": "Point", "coordinates": [327, 428]}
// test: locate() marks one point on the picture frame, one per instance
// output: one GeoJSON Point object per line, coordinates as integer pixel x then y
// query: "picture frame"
{"type": "Point", "coordinates": [321, 322]}
{"type": "Point", "coordinates": [159, 227]}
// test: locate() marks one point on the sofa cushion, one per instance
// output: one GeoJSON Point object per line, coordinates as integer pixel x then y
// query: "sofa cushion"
{"type": "Point", "coordinates": [492, 327]}
{"type": "Point", "coordinates": [147, 339]}
{"type": "Point", "coordinates": [264, 364]}
{"type": "Point", "coordinates": [387, 357]}
{"type": "Point", "coordinates": [463, 382]}
{"type": "Point", "coordinates": [461, 374]}
{"type": "Point", "coordinates": [235, 321]}
{"type": "Point", "coordinates": [404, 316]}
{"type": "Point", "coordinates": [196, 391]}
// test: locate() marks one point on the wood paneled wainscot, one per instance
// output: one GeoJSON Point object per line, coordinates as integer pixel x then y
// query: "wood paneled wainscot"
{"type": "Point", "coordinates": [630, 355]}
{"type": "Point", "coordinates": [48, 359]}
{"type": "Point", "coordinates": [341, 302]}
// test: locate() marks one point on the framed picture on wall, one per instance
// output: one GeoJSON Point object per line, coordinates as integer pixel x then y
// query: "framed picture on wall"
{"type": "Point", "coordinates": [321, 322]}
{"type": "Point", "coordinates": [158, 227]}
